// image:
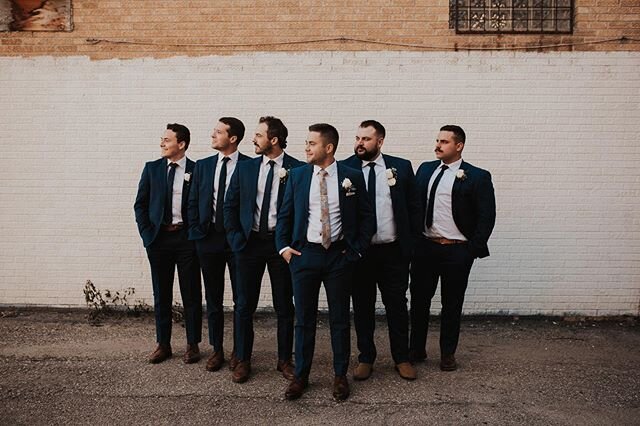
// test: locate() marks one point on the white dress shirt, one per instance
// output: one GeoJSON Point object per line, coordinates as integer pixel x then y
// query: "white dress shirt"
{"type": "Point", "coordinates": [443, 224]}
{"type": "Point", "coordinates": [314, 231]}
{"type": "Point", "coordinates": [386, 226]}
{"type": "Point", "coordinates": [178, 182]}
{"type": "Point", "coordinates": [231, 166]}
{"type": "Point", "coordinates": [275, 186]}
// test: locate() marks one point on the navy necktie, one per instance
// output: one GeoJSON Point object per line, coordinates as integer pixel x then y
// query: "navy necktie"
{"type": "Point", "coordinates": [371, 186]}
{"type": "Point", "coordinates": [432, 196]}
{"type": "Point", "coordinates": [222, 183]}
{"type": "Point", "coordinates": [168, 208]}
{"type": "Point", "coordinates": [266, 202]}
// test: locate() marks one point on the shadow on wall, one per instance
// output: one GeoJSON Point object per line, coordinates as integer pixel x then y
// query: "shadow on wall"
{"type": "Point", "coordinates": [35, 15]}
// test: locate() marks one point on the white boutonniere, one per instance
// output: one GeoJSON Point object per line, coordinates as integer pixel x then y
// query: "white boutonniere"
{"type": "Point", "coordinates": [283, 174]}
{"type": "Point", "coordinates": [187, 177]}
{"type": "Point", "coordinates": [460, 174]}
{"type": "Point", "coordinates": [348, 187]}
{"type": "Point", "coordinates": [392, 176]}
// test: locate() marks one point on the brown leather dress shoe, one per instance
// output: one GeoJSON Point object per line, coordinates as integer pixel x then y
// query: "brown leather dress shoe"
{"type": "Point", "coordinates": [296, 388]}
{"type": "Point", "coordinates": [341, 388]}
{"type": "Point", "coordinates": [192, 354]}
{"type": "Point", "coordinates": [162, 353]}
{"type": "Point", "coordinates": [287, 369]}
{"type": "Point", "coordinates": [448, 363]}
{"type": "Point", "coordinates": [417, 356]}
{"type": "Point", "coordinates": [215, 361]}
{"type": "Point", "coordinates": [406, 370]}
{"type": "Point", "coordinates": [362, 371]}
{"type": "Point", "coordinates": [241, 373]}
{"type": "Point", "coordinates": [233, 361]}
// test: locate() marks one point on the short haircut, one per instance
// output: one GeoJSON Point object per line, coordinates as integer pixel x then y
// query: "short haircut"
{"type": "Point", "coordinates": [328, 132]}
{"type": "Point", "coordinates": [236, 128]}
{"type": "Point", "coordinates": [376, 125]}
{"type": "Point", "coordinates": [458, 133]}
{"type": "Point", "coordinates": [182, 133]}
{"type": "Point", "coordinates": [276, 129]}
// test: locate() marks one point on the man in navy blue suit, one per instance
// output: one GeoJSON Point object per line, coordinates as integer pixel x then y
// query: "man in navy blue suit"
{"type": "Point", "coordinates": [161, 215]}
{"type": "Point", "coordinates": [211, 177]}
{"type": "Point", "coordinates": [391, 191]}
{"type": "Point", "coordinates": [458, 212]}
{"type": "Point", "coordinates": [251, 207]}
{"type": "Point", "coordinates": [325, 225]}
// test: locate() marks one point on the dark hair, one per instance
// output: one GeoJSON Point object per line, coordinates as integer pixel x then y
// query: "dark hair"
{"type": "Point", "coordinates": [458, 133]}
{"type": "Point", "coordinates": [236, 128]}
{"type": "Point", "coordinates": [276, 129]}
{"type": "Point", "coordinates": [182, 133]}
{"type": "Point", "coordinates": [376, 125]}
{"type": "Point", "coordinates": [328, 132]}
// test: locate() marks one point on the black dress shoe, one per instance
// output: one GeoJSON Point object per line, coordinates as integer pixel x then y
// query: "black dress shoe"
{"type": "Point", "coordinates": [341, 388]}
{"type": "Point", "coordinates": [162, 353]}
{"type": "Point", "coordinates": [448, 363]}
{"type": "Point", "coordinates": [295, 389]}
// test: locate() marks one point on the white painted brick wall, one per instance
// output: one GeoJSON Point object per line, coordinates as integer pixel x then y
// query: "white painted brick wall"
{"type": "Point", "coordinates": [558, 131]}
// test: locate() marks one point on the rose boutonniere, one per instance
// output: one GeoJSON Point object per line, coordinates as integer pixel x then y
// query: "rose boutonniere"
{"type": "Point", "coordinates": [283, 174]}
{"type": "Point", "coordinates": [348, 187]}
{"type": "Point", "coordinates": [187, 177]}
{"type": "Point", "coordinates": [460, 174]}
{"type": "Point", "coordinates": [392, 176]}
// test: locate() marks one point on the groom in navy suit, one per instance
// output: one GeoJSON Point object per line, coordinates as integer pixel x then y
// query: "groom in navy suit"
{"type": "Point", "coordinates": [458, 212]}
{"type": "Point", "coordinates": [392, 194]}
{"type": "Point", "coordinates": [325, 225]}
{"type": "Point", "coordinates": [211, 177]}
{"type": "Point", "coordinates": [161, 215]}
{"type": "Point", "coordinates": [251, 208]}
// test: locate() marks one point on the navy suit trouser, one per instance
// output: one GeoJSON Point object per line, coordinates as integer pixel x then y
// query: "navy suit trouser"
{"type": "Point", "coordinates": [250, 263]}
{"type": "Point", "coordinates": [168, 250]}
{"type": "Point", "coordinates": [213, 264]}
{"type": "Point", "coordinates": [308, 271]}
{"type": "Point", "coordinates": [385, 265]}
{"type": "Point", "coordinates": [451, 264]}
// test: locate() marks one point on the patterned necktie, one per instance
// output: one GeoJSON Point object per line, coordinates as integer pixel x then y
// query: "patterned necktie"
{"type": "Point", "coordinates": [266, 203]}
{"type": "Point", "coordinates": [222, 183]}
{"type": "Point", "coordinates": [432, 196]}
{"type": "Point", "coordinates": [324, 210]}
{"type": "Point", "coordinates": [168, 208]}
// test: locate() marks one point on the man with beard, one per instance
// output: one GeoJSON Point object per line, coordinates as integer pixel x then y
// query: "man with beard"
{"type": "Point", "coordinates": [458, 212]}
{"type": "Point", "coordinates": [254, 197]}
{"type": "Point", "coordinates": [391, 191]}
{"type": "Point", "coordinates": [211, 177]}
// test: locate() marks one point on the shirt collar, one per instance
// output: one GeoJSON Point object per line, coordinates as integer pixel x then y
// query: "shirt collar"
{"type": "Point", "coordinates": [182, 163]}
{"type": "Point", "coordinates": [379, 162]}
{"type": "Point", "coordinates": [279, 160]}
{"type": "Point", "coordinates": [331, 169]}
{"type": "Point", "coordinates": [453, 166]}
{"type": "Point", "coordinates": [232, 157]}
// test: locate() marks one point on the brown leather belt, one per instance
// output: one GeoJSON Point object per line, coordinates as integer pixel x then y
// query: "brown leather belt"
{"type": "Point", "coordinates": [446, 241]}
{"type": "Point", "coordinates": [172, 227]}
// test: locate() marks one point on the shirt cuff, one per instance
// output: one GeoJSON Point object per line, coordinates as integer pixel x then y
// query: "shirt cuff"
{"type": "Point", "coordinates": [283, 250]}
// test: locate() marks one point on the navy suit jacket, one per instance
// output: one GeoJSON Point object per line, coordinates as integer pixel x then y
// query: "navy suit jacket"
{"type": "Point", "coordinates": [404, 200]}
{"type": "Point", "coordinates": [152, 192]}
{"type": "Point", "coordinates": [358, 220]}
{"type": "Point", "coordinates": [473, 203]}
{"type": "Point", "coordinates": [240, 203]}
{"type": "Point", "coordinates": [200, 204]}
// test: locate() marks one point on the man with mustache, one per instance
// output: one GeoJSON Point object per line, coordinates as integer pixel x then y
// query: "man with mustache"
{"type": "Point", "coordinates": [458, 212]}
{"type": "Point", "coordinates": [254, 197]}
{"type": "Point", "coordinates": [391, 191]}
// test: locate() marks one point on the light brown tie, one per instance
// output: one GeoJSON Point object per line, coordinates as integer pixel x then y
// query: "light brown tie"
{"type": "Point", "coordinates": [324, 210]}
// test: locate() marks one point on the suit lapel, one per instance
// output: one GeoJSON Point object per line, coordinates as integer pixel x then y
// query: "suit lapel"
{"type": "Point", "coordinates": [253, 182]}
{"type": "Point", "coordinates": [425, 183]}
{"type": "Point", "coordinates": [341, 193]}
{"type": "Point", "coordinates": [212, 169]}
{"type": "Point", "coordinates": [306, 188]}
{"type": "Point", "coordinates": [395, 202]}
{"type": "Point", "coordinates": [186, 185]}
{"type": "Point", "coordinates": [456, 184]}
{"type": "Point", "coordinates": [286, 164]}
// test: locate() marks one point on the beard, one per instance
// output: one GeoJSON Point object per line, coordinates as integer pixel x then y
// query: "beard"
{"type": "Point", "coordinates": [366, 155]}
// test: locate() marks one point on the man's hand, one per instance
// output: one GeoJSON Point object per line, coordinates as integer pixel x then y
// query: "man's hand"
{"type": "Point", "coordinates": [289, 253]}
